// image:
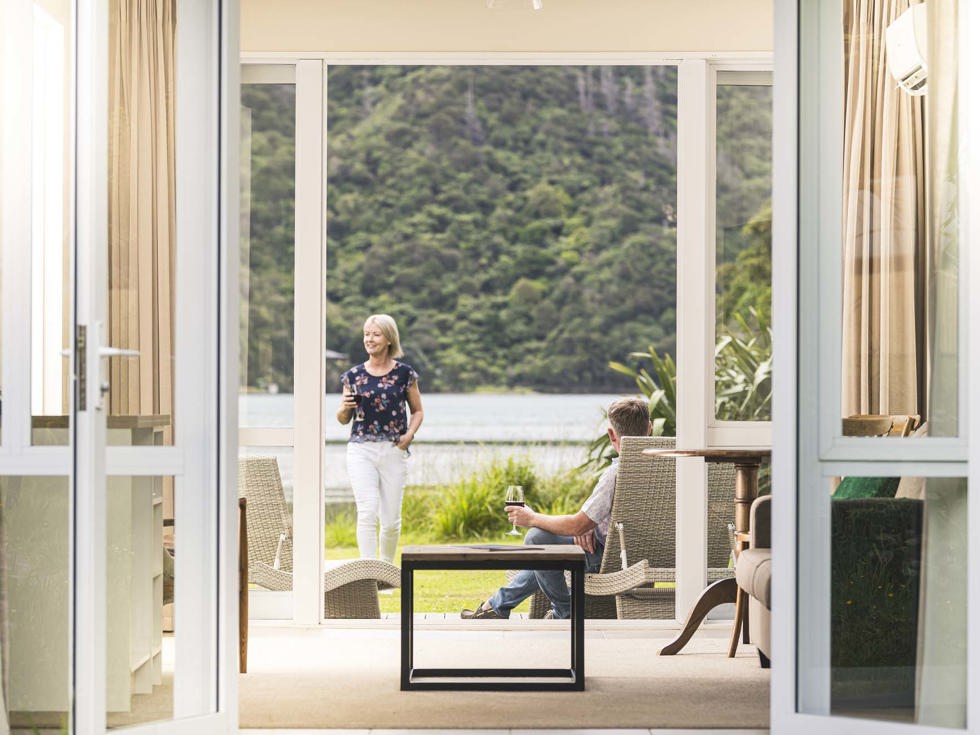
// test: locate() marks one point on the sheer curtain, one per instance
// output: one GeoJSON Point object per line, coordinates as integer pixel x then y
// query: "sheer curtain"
{"type": "Point", "coordinates": [883, 224]}
{"type": "Point", "coordinates": [141, 204]}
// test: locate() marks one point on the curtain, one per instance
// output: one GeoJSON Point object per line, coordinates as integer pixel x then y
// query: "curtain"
{"type": "Point", "coordinates": [141, 205]}
{"type": "Point", "coordinates": [883, 224]}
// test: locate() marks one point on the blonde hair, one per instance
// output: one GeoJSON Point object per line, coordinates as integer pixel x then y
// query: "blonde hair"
{"type": "Point", "coordinates": [629, 417]}
{"type": "Point", "coordinates": [390, 330]}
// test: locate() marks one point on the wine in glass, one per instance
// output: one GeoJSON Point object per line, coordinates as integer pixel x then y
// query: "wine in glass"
{"type": "Point", "coordinates": [514, 496]}
{"type": "Point", "coordinates": [357, 398]}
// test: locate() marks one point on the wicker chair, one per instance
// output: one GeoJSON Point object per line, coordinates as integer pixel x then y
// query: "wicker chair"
{"type": "Point", "coordinates": [350, 588]}
{"type": "Point", "coordinates": [640, 549]}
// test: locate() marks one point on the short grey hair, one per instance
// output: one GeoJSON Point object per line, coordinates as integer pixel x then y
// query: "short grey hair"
{"type": "Point", "coordinates": [390, 330]}
{"type": "Point", "coordinates": [629, 416]}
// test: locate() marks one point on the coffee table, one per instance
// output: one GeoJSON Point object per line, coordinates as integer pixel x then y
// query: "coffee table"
{"type": "Point", "coordinates": [494, 556]}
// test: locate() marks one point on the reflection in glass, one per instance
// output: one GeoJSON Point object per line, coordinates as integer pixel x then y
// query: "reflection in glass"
{"type": "Point", "coordinates": [268, 160]}
{"type": "Point", "coordinates": [50, 222]}
{"type": "Point", "coordinates": [35, 602]}
{"type": "Point", "coordinates": [743, 217]}
{"type": "Point", "coordinates": [139, 603]}
{"type": "Point", "coordinates": [894, 556]}
{"type": "Point", "coordinates": [899, 337]}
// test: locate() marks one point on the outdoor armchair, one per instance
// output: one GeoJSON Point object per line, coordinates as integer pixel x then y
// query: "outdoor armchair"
{"type": "Point", "coordinates": [637, 572]}
{"type": "Point", "coordinates": [350, 587]}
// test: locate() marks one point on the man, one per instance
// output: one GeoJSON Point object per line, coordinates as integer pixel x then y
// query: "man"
{"type": "Point", "coordinates": [587, 528]}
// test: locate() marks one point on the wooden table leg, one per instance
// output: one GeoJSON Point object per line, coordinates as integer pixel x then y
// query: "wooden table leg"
{"type": "Point", "coordinates": [718, 593]}
{"type": "Point", "coordinates": [242, 587]}
{"type": "Point", "coordinates": [738, 622]}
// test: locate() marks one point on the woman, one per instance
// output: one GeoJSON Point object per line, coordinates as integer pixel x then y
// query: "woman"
{"type": "Point", "coordinates": [374, 396]}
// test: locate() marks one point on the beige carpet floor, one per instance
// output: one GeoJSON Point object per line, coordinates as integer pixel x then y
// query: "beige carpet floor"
{"type": "Point", "coordinates": [333, 678]}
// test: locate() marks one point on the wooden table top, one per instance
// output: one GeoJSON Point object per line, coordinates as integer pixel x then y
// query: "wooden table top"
{"type": "Point", "coordinates": [719, 454]}
{"type": "Point", "coordinates": [481, 552]}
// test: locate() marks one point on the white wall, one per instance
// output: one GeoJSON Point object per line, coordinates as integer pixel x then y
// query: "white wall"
{"type": "Point", "coordinates": [511, 26]}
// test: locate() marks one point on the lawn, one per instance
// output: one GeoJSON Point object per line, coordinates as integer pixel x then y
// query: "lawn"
{"type": "Point", "coordinates": [439, 591]}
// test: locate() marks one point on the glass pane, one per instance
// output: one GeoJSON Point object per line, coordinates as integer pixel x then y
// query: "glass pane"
{"type": "Point", "coordinates": [268, 195]}
{"type": "Point", "coordinates": [50, 224]}
{"type": "Point", "coordinates": [142, 224]}
{"type": "Point", "coordinates": [743, 221]}
{"type": "Point", "coordinates": [897, 599]}
{"type": "Point", "coordinates": [35, 603]}
{"type": "Point", "coordinates": [139, 602]}
{"type": "Point", "coordinates": [900, 262]}
{"type": "Point", "coordinates": [265, 480]}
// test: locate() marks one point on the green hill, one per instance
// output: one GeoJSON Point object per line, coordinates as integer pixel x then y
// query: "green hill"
{"type": "Point", "coordinates": [518, 222]}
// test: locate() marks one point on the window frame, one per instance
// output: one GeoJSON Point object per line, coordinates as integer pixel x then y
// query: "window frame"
{"type": "Point", "coordinates": [696, 425]}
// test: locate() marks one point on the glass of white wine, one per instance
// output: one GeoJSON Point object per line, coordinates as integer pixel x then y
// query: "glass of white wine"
{"type": "Point", "coordinates": [514, 496]}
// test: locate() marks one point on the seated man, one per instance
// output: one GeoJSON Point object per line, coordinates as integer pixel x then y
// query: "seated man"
{"type": "Point", "coordinates": [587, 528]}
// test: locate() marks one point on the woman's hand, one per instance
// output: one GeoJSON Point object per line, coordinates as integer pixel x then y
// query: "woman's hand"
{"type": "Point", "coordinates": [345, 412]}
{"type": "Point", "coordinates": [405, 439]}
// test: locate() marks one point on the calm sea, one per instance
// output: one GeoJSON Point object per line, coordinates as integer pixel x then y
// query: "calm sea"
{"type": "Point", "coordinates": [461, 431]}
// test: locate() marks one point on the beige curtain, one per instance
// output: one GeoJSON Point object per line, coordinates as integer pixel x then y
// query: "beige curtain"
{"type": "Point", "coordinates": [883, 224]}
{"type": "Point", "coordinates": [141, 205]}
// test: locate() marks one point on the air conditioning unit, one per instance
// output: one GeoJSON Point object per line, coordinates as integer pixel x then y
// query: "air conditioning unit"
{"type": "Point", "coordinates": [906, 49]}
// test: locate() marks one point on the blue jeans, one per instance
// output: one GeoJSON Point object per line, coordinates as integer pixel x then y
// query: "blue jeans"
{"type": "Point", "coordinates": [549, 581]}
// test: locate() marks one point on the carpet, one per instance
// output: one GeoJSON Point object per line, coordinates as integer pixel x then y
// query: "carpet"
{"type": "Point", "coordinates": [307, 679]}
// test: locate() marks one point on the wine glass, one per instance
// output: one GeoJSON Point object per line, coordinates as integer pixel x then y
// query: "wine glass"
{"type": "Point", "coordinates": [357, 397]}
{"type": "Point", "coordinates": [514, 496]}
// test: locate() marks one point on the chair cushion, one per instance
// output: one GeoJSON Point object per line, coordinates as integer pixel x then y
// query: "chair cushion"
{"type": "Point", "coordinates": [866, 487]}
{"type": "Point", "coordinates": [753, 572]}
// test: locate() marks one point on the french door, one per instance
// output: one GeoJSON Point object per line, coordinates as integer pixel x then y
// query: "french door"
{"type": "Point", "coordinates": [117, 581]}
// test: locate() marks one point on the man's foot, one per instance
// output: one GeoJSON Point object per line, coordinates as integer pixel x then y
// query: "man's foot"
{"type": "Point", "coordinates": [482, 612]}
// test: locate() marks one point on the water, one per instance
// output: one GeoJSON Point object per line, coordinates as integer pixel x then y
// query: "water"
{"type": "Point", "coordinates": [460, 432]}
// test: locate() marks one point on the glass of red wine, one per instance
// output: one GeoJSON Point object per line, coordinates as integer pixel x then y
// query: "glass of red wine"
{"type": "Point", "coordinates": [357, 398]}
{"type": "Point", "coordinates": [514, 496]}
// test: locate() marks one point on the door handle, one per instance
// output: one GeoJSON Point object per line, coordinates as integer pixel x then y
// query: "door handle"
{"type": "Point", "coordinates": [112, 352]}
{"type": "Point", "coordinates": [117, 352]}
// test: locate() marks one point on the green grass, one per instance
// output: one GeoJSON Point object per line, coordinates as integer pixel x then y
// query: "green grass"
{"type": "Point", "coordinates": [439, 591]}
{"type": "Point", "coordinates": [468, 510]}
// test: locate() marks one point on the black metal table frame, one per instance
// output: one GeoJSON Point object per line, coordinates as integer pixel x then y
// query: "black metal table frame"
{"type": "Point", "coordinates": [415, 678]}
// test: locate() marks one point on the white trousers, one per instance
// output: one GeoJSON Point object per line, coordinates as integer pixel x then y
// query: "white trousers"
{"type": "Point", "coordinates": [377, 477]}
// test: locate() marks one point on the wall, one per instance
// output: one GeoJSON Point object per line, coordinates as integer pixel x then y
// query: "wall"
{"type": "Point", "coordinates": [510, 26]}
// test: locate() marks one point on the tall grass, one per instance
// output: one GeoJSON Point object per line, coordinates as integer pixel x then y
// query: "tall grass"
{"type": "Point", "coordinates": [472, 507]}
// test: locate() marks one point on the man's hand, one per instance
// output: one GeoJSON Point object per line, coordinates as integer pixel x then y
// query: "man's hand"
{"type": "Point", "coordinates": [520, 515]}
{"type": "Point", "coordinates": [586, 541]}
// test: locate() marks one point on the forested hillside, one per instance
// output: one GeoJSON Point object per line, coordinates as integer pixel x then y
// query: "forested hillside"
{"type": "Point", "coordinates": [518, 222]}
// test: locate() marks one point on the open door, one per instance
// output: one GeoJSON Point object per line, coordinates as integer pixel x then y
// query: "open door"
{"type": "Point", "coordinates": [117, 513]}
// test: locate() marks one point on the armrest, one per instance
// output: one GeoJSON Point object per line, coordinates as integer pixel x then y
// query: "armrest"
{"type": "Point", "coordinates": [760, 522]}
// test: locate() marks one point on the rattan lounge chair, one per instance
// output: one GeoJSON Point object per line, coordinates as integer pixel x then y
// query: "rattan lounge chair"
{"type": "Point", "coordinates": [350, 588]}
{"type": "Point", "coordinates": [640, 548]}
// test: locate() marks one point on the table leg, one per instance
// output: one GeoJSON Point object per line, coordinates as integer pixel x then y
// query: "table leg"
{"type": "Point", "coordinates": [737, 624]}
{"type": "Point", "coordinates": [718, 593]}
{"type": "Point", "coordinates": [407, 620]}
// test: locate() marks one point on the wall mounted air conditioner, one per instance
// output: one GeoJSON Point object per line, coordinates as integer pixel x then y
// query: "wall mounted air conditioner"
{"type": "Point", "coordinates": [906, 49]}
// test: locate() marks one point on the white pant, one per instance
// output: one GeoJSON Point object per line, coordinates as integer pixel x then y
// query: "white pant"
{"type": "Point", "coordinates": [377, 477]}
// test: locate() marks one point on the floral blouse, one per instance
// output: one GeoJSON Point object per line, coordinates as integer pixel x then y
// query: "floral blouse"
{"type": "Point", "coordinates": [382, 416]}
